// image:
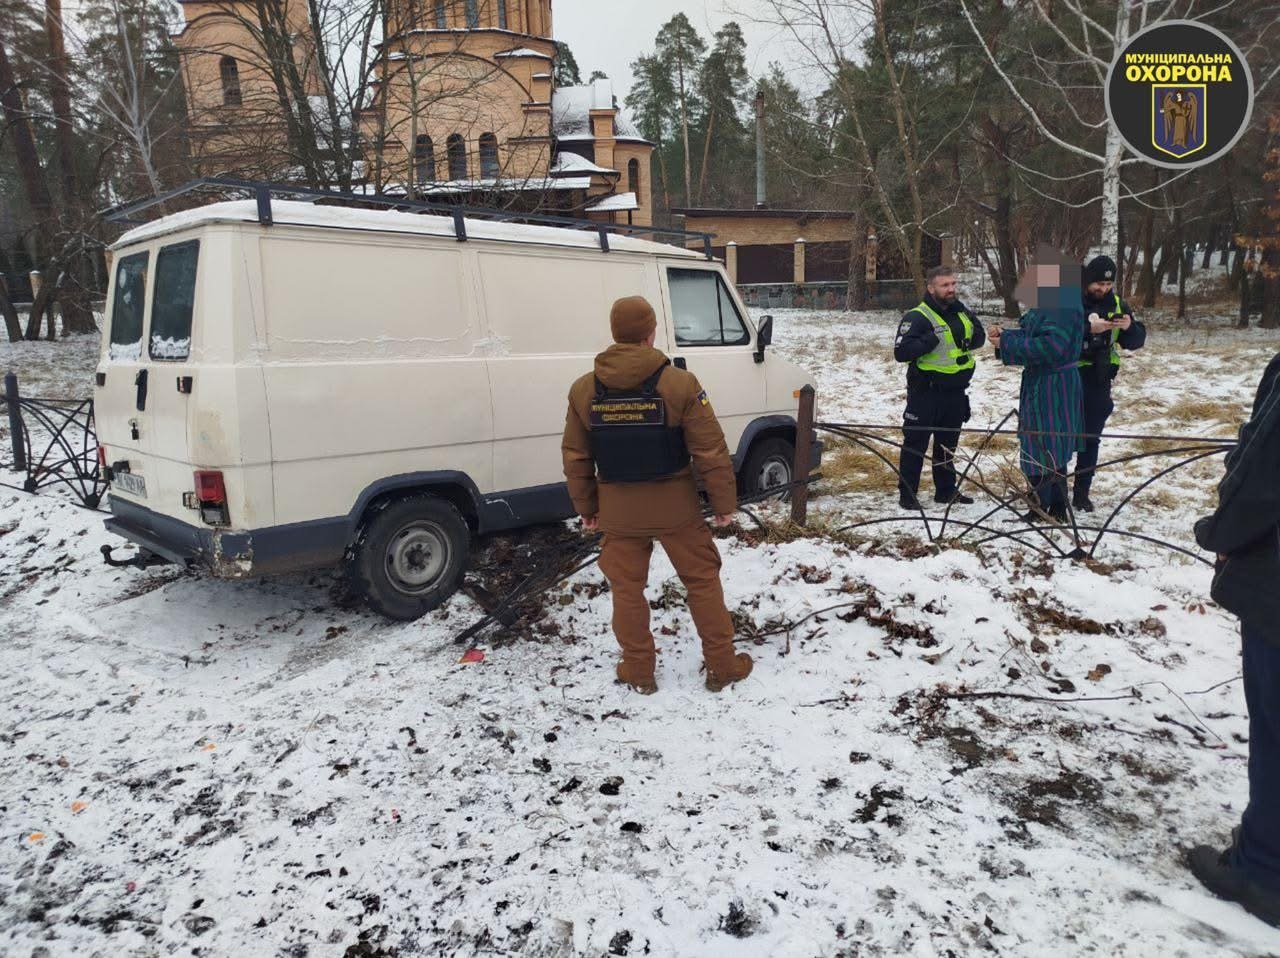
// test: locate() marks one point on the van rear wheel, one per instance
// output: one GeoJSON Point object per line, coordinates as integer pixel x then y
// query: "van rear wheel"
{"type": "Point", "coordinates": [769, 466]}
{"type": "Point", "coordinates": [410, 557]}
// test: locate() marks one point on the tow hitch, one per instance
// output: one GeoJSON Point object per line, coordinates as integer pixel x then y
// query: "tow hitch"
{"type": "Point", "coordinates": [142, 559]}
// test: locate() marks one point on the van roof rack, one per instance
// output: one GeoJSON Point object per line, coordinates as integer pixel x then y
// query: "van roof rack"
{"type": "Point", "coordinates": [126, 213]}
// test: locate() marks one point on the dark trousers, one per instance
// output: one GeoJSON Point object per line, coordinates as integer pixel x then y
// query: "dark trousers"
{"type": "Point", "coordinates": [938, 415]}
{"type": "Point", "coordinates": [1097, 408]}
{"type": "Point", "coordinates": [1257, 850]}
{"type": "Point", "coordinates": [1051, 491]}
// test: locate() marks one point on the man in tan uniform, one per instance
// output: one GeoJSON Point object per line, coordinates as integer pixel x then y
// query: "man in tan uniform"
{"type": "Point", "coordinates": [632, 427]}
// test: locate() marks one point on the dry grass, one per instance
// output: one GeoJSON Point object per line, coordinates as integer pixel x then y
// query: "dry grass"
{"type": "Point", "coordinates": [1192, 409]}
{"type": "Point", "coordinates": [850, 467]}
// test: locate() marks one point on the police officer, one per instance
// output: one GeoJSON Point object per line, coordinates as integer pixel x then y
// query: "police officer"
{"type": "Point", "coordinates": [1244, 531]}
{"type": "Point", "coordinates": [1109, 327]}
{"type": "Point", "coordinates": [936, 339]}
{"type": "Point", "coordinates": [632, 429]}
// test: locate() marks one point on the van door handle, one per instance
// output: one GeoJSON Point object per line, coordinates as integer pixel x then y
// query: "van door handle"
{"type": "Point", "coordinates": [141, 382]}
{"type": "Point", "coordinates": [679, 362]}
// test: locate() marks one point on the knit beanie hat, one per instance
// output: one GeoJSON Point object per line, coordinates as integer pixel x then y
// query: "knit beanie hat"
{"type": "Point", "coordinates": [1100, 269]}
{"type": "Point", "coordinates": [632, 320]}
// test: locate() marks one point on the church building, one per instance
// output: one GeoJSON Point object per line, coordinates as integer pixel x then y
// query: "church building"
{"type": "Point", "coordinates": [462, 105]}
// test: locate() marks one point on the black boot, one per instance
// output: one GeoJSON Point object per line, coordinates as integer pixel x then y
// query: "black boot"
{"type": "Point", "coordinates": [955, 499]}
{"type": "Point", "coordinates": [908, 501]}
{"type": "Point", "coordinates": [1216, 873]}
{"type": "Point", "coordinates": [1081, 502]}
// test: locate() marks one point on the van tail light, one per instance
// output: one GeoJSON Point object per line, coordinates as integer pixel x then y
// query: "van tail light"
{"type": "Point", "coordinates": [211, 495]}
{"type": "Point", "coordinates": [103, 467]}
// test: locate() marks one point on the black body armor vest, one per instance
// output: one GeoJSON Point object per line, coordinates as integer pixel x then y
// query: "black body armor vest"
{"type": "Point", "coordinates": [630, 438]}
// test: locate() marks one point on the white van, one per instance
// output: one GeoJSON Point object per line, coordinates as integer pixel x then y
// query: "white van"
{"type": "Point", "coordinates": [361, 383]}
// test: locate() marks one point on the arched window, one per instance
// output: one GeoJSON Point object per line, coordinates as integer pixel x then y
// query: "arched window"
{"type": "Point", "coordinates": [502, 14]}
{"type": "Point", "coordinates": [633, 178]}
{"type": "Point", "coordinates": [424, 160]}
{"type": "Point", "coordinates": [473, 15]}
{"type": "Point", "coordinates": [230, 71]}
{"type": "Point", "coordinates": [441, 23]}
{"type": "Point", "coordinates": [488, 156]}
{"type": "Point", "coordinates": [457, 148]}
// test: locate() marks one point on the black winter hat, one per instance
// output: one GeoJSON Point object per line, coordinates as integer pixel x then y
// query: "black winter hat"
{"type": "Point", "coordinates": [1100, 269]}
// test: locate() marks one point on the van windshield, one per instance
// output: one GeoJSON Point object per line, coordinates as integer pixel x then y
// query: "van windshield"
{"type": "Point", "coordinates": [128, 307]}
{"type": "Point", "coordinates": [174, 301]}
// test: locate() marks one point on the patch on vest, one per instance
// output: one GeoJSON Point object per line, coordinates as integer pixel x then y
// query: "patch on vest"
{"type": "Point", "coordinates": [702, 398]}
{"type": "Point", "coordinates": [628, 412]}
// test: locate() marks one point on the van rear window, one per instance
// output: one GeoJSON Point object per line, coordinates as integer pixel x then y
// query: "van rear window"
{"type": "Point", "coordinates": [175, 297]}
{"type": "Point", "coordinates": [128, 307]}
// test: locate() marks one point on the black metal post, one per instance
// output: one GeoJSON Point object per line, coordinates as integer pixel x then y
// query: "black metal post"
{"type": "Point", "coordinates": [15, 422]}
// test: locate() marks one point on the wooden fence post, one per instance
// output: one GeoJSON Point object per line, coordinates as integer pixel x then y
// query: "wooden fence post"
{"type": "Point", "coordinates": [15, 422]}
{"type": "Point", "coordinates": [804, 450]}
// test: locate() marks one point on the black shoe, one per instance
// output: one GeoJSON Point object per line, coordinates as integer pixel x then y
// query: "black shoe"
{"type": "Point", "coordinates": [908, 502]}
{"type": "Point", "coordinates": [1082, 504]}
{"type": "Point", "coordinates": [956, 499]}
{"type": "Point", "coordinates": [1036, 517]}
{"type": "Point", "coordinates": [1216, 873]}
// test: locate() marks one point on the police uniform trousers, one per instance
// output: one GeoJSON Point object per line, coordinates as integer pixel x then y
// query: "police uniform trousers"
{"type": "Point", "coordinates": [624, 560]}
{"type": "Point", "coordinates": [1257, 847]}
{"type": "Point", "coordinates": [935, 414]}
{"type": "Point", "coordinates": [1097, 409]}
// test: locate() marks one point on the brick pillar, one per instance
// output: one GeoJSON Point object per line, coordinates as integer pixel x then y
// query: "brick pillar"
{"type": "Point", "coordinates": [799, 273]}
{"type": "Point", "coordinates": [731, 261]}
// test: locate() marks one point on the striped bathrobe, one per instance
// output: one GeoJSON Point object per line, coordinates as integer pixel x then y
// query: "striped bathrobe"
{"type": "Point", "coordinates": [1047, 346]}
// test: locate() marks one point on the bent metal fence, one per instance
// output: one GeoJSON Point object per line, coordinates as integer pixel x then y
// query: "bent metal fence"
{"type": "Point", "coordinates": [53, 443]}
{"type": "Point", "coordinates": [1006, 502]}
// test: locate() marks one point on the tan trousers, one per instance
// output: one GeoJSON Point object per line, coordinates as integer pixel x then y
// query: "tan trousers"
{"type": "Point", "coordinates": [624, 560]}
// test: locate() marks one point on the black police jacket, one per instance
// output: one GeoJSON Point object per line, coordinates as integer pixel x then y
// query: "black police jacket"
{"type": "Point", "coordinates": [1097, 346]}
{"type": "Point", "coordinates": [916, 337]}
{"type": "Point", "coordinates": [1246, 526]}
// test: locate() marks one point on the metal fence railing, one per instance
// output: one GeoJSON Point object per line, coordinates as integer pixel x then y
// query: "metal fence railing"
{"type": "Point", "coordinates": [1002, 497]}
{"type": "Point", "coordinates": [53, 443]}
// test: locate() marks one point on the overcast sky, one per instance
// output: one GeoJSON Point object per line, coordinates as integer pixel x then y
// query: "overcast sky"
{"type": "Point", "coordinates": [609, 34]}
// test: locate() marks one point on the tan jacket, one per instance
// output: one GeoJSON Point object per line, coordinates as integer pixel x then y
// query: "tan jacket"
{"type": "Point", "coordinates": [648, 508]}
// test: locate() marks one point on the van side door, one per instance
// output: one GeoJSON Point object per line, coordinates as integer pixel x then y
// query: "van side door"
{"type": "Point", "coordinates": [712, 337]}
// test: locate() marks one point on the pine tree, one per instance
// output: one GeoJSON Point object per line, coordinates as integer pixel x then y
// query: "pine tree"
{"type": "Point", "coordinates": [566, 71]}
{"type": "Point", "coordinates": [723, 85]}
{"type": "Point", "coordinates": [649, 101]}
{"type": "Point", "coordinates": [680, 49]}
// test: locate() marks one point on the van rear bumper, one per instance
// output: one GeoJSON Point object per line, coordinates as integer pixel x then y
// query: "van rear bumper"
{"type": "Point", "coordinates": [167, 547]}
{"type": "Point", "coordinates": [230, 554]}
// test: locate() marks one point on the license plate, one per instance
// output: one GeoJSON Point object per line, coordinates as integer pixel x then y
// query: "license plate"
{"type": "Point", "coordinates": [128, 482]}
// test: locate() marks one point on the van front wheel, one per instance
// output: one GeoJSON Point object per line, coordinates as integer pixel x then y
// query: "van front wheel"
{"type": "Point", "coordinates": [410, 557]}
{"type": "Point", "coordinates": [768, 466]}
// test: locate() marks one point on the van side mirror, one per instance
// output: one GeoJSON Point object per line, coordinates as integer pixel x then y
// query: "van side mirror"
{"type": "Point", "coordinates": [764, 337]}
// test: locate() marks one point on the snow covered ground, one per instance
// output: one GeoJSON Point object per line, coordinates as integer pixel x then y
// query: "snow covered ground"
{"type": "Point", "coordinates": [976, 750]}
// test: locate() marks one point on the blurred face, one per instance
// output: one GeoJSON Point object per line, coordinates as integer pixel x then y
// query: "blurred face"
{"type": "Point", "coordinates": [943, 288]}
{"type": "Point", "coordinates": [1099, 290]}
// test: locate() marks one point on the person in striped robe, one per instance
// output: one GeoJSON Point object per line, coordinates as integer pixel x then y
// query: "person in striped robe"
{"type": "Point", "coordinates": [1047, 346]}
